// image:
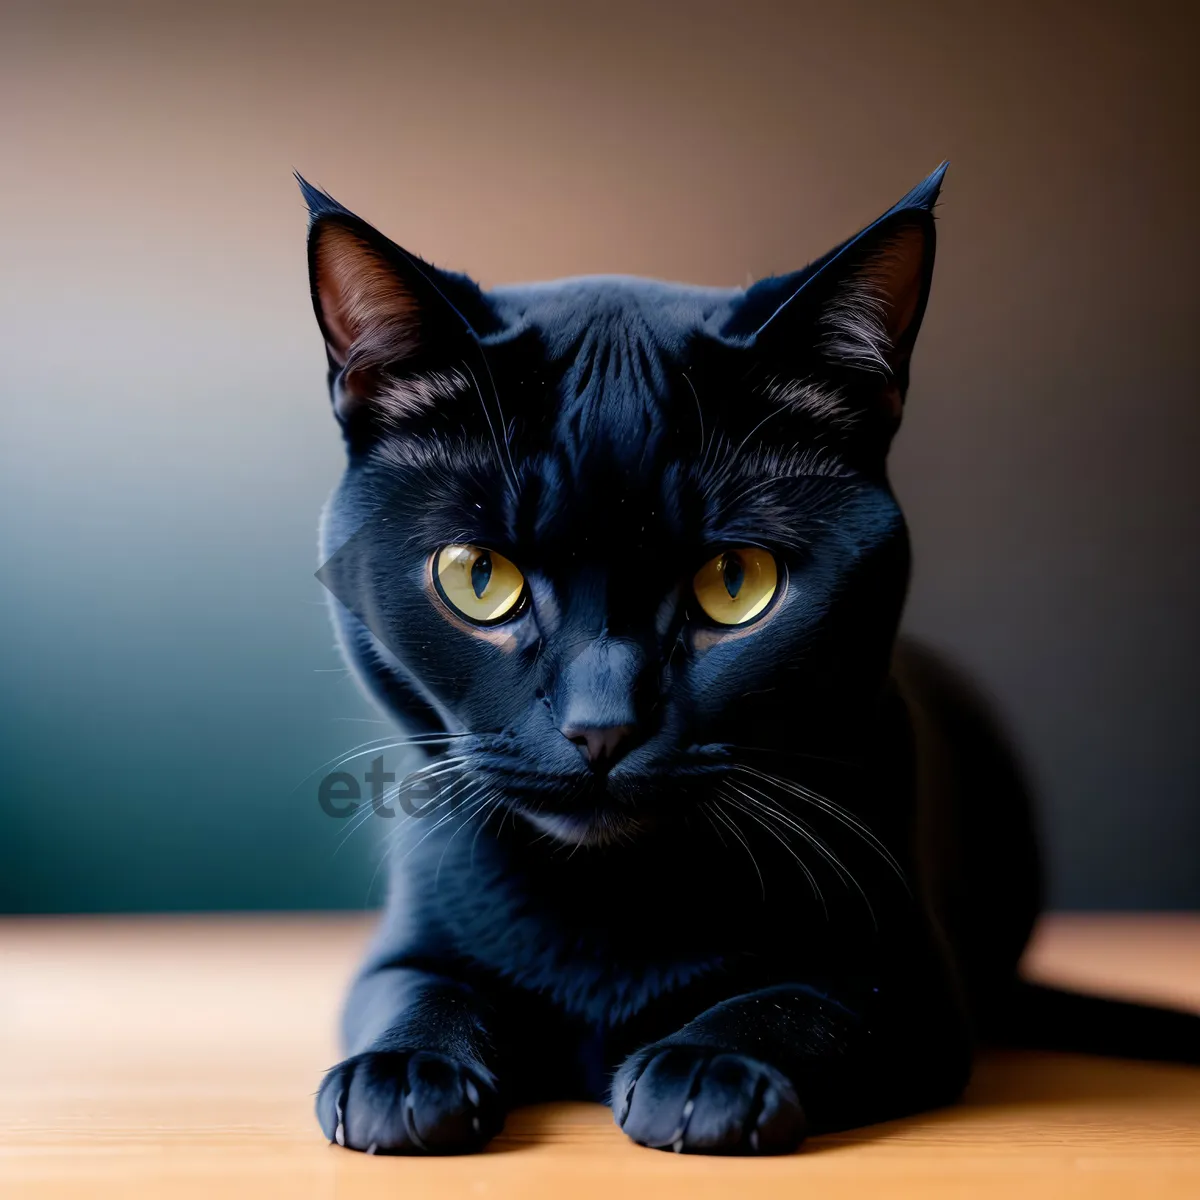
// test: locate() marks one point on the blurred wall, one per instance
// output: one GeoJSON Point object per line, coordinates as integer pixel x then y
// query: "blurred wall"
{"type": "Point", "coordinates": [167, 678]}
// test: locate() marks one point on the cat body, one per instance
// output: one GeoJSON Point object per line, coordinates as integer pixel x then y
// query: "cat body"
{"type": "Point", "coordinates": [705, 842]}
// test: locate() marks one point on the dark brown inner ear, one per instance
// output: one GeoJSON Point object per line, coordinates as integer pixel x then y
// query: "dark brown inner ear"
{"type": "Point", "coordinates": [895, 275]}
{"type": "Point", "coordinates": [871, 318]}
{"type": "Point", "coordinates": [360, 295]}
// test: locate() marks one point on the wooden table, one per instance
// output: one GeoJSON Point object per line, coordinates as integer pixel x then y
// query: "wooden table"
{"type": "Point", "coordinates": [166, 1057]}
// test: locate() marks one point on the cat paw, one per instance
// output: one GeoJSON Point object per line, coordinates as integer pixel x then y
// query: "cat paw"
{"type": "Point", "coordinates": [408, 1102]}
{"type": "Point", "coordinates": [698, 1101]}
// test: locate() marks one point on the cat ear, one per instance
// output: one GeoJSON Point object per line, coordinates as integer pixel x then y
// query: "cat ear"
{"type": "Point", "coordinates": [392, 332]}
{"type": "Point", "coordinates": [852, 318]}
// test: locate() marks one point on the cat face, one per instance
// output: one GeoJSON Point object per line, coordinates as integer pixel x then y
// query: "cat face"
{"type": "Point", "coordinates": [615, 535]}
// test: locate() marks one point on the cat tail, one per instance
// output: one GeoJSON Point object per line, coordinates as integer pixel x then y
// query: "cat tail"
{"type": "Point", "coordinates": [1037, 1017]}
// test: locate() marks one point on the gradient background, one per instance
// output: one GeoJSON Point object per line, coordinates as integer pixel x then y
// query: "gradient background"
{"type": "Point", "coordinates": [167, 676]}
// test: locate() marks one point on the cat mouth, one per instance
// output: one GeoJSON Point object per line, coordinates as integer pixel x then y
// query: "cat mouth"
{"type": "Point", "coordinates": [585, 809]}
{"type": "Point", "coordinates": [597, 826]}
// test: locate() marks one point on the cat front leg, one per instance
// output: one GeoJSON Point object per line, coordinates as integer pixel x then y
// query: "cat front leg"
{"type": "Point", "coordinates": [422, 1078]}
{"type": "Point", "coordinates": [757, 1073]}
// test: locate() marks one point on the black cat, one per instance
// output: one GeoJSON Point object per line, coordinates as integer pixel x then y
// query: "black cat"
{"type": "Point", "coordinates": [704, 843]}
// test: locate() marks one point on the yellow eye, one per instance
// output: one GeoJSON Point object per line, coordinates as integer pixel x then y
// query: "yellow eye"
{"type": "Point", "coordinates": [737, 585]}
{"type": "Point", "coordinates": [478, 584]}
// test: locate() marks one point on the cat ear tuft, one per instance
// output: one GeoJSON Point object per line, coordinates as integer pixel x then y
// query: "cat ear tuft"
{"type": "Point", "coordinates": [320, 203]}
{"type": "Point", "coordinates": [868, 320]}
{"type": "Point", "coordinates": [925, 195]}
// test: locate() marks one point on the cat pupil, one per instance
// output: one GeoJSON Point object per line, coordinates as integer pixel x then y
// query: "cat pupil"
{"type": "Point", "coordinates": [481, 574]}
{"type": "Point", "coordinates": [734, 573]}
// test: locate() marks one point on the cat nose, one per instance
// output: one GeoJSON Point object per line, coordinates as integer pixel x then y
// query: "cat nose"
{"type": "Point", "coordinates": [601, 745]}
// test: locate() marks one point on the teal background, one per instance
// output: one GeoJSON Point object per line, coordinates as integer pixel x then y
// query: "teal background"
{"type": "Point", "coordinates": [169, 672]}
{"type": "Point", "coordinates": [168, 680]}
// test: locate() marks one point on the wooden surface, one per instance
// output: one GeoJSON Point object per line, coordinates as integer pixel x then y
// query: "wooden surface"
{"type": "Point", "coordinates": [177, 1058]}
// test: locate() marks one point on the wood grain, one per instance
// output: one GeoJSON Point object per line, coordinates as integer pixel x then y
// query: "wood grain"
{"type": "Point", "coordinates": [165, 1057]}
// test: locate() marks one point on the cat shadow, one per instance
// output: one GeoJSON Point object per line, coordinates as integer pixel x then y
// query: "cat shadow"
{"type": "Point", "coordinates": [1012, 1086]}
{"type": "Point", "coordinates": [1016, 1085]}
{"type": "Point", "coordinates": [576, 1122]}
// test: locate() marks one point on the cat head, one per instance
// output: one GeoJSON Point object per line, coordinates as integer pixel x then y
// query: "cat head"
{"type": "Point", "coordinates": [613, 537]}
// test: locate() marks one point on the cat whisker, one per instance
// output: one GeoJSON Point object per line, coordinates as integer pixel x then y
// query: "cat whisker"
{"type": "Point", "coordinates": [742, 444]}
{"type": "Point", "coordinates": [449, 795]}
{"type": "Point", "coordinates": [381, 746]}
{"type": "Point", "coordinates": [434, 769]}
{"type": "Point", "coordinates": [360, 818]}
{"type": "Point", "coordinates": [476, 809]}
{"type": "Point", "coordinates": [446, 796]}
{"type": "Point", "coordinates": [472, 794]}
{"type": "Point", "coordinates": [774, 750]}
{"type": "Point", "coordinates": [808, 875]}
{"type": "Point", "coordinates": [704, 806]}
{"type": "Point", "coordinates": [733, 828]}
{"type": "Point", "coordinates": [406, 785]}
{"type": "Point", "coordinates": [843, 815]}
{"type": "Point", "coordinates": [497, 804]}
{"type": "Point", "coordinates": [471, 797]}
{"type": "Point", "coordinates": [506, 459]}
{"type": "Point", "coordinates": [793, 822]}
{"type": "Point", "coordinates": [699, 415]}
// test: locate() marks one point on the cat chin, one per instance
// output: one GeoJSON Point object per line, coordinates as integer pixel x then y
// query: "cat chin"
{"type": "Point", "coordinates": [598, 828]}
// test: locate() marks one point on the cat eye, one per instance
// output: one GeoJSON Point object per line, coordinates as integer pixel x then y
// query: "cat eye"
{"type": "Point", "coordinates": [478, 584]}
{"type": "Point", "coordinates": [736, 586]}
